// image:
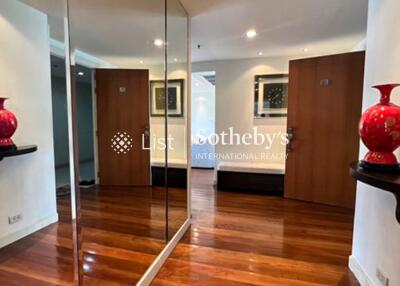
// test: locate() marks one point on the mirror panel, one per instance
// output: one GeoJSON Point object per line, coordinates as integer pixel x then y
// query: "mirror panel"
{"type": "Point", "coordinates": [117, 51]}
{"type": "Point", "coordinates": [177, 25]}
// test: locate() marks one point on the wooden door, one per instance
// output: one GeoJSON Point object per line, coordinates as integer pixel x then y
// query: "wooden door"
{"type": "Point", "coordinates": [122, 118]}
{"type": "Point", "coordinates": [324, 108]}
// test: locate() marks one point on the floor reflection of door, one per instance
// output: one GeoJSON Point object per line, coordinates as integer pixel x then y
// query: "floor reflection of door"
{"type": "Point", "coordinates": [325, 96]}
{"type": "Point", "coordinates": [122, 118]}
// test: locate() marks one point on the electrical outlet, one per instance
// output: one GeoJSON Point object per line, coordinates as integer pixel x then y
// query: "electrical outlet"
{"type": "Point", "coordinates": [382, 277]}
{"type": "Point", "coordinates": [14, 219]}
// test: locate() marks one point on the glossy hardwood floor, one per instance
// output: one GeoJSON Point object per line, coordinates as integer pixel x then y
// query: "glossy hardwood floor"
{"type": "Point", "coordinates": [235, 239]}
{"type": "Point", "coordinates": [240, 239]}
{"type": "Point", "coordinates": [43, 258]}
{"type": "Point", "coordinates": [123, 231]}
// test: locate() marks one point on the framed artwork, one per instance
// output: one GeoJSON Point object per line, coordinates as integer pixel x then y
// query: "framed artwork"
{"type": "Point", "coordinates": [174, 99]}
{"type": "Point", "coordinates": [271, 95]}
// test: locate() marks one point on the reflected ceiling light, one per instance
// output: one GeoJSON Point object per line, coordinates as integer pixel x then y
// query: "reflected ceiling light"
{"type": "Point", "coordinates": [81, 73]}
{"type": "Point", "coordinates": [251, 33]}
{"type": "Point", "coordinates": [86, 267]}
{"type": "Point", "coordinates": [89, 259]}
{"type": "Point", "coordinates": [305, 50]}
{"type": "Point", "coordinates": [158, 42]}
{"type": "Point", "coordinates": [260, 53]}
{"type": "Point", "coordinates": [141, 62]}
{"type": "Point", "coordinates": [175, 60]}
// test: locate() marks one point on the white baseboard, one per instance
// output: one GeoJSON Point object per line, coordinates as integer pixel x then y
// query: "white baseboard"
{"type": "Point", "coordinates": [155, 267]}
{"type": "Point", "coordinates": [359, 272]}
{"type": "Point", "coordinates": [12, 237]}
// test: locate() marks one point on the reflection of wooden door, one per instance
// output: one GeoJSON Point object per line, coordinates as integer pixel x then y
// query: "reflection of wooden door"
{"type": "Point", "coordinates": [325, 97]}
{"type": "Point", "coordinates": [122, 118]}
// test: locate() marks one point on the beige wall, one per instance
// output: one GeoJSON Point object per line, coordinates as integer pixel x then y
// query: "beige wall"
{"type": "Point", "coordinates": [234, 94]}
{"type": "Point", "coordinates": [376, 231]}
{"type": "Point", "coordinates": [27, 183]}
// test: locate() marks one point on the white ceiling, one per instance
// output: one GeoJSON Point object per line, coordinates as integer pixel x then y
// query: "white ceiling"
{"type": "Point", "coordinates": [122, 31]}
{"type": "Point", "coordinates": [285, 27]}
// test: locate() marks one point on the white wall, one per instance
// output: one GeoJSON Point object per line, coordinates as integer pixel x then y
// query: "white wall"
{"type": "Point", "coordinates": [376, 232]}
{"type": "Point", "coordinates": [235, 101]}
{"type": "Point", "coordinates": [27, 183]}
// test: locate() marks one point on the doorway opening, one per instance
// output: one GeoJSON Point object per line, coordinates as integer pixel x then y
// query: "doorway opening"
{"type": "Point", "coordinates": [60, 125]}
{"type": "Point", "coordinates": [203, 119]}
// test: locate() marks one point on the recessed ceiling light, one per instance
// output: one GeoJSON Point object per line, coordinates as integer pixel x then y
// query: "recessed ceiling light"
{"type": "Point", "coordinates": [251, 33]}
{"type": "Point", "coordinates": [305, 50]}
{"type": "Point", "coordinates": [260, 53]}
{"type": "Point", "coordinates": [81, 73]}
{"type": "Point", "coordinates": [158, 42]}
{"type": "Point", "coordinates": [141, 61]}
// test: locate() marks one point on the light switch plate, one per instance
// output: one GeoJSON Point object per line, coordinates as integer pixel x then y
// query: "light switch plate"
{"type": "Point", "coordinates": [382, 277]}
{"type": "Point", "coordinates": [14, 219]}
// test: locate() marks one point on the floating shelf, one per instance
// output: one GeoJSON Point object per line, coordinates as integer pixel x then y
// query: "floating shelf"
{"type": "Point", "coordinates": [384, 181]}
{"type": "Point", "coordinates": [21, 150]}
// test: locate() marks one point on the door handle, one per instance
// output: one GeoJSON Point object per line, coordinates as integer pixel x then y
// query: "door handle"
{"type": "Point", "coordinates": [146, 131]}
{"type": "Point", "coordinates": [146, 135]}
{"type": "Point", "coordinates": [290, 136]}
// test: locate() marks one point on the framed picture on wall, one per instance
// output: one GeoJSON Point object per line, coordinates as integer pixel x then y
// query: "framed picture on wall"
{"type": "Point", "coordinates": [271, 95]}
{"type": "Point", "coordinates": [175, 98]}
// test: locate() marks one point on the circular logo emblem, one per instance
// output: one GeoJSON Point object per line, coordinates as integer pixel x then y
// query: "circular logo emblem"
{"type": "Point", "coordinates": [121, 143]}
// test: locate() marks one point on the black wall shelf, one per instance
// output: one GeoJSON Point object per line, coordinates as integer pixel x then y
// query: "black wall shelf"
{"type": "Point", "coordinates": [384, 181]}
{"type": "Point", "coordinates": [21, 150]}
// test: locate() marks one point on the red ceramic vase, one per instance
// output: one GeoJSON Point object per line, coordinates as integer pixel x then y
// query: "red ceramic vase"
{"type": "Point", "coordinates": [380, 131]}
{"type": "Point", "coordinates": [8, 125]}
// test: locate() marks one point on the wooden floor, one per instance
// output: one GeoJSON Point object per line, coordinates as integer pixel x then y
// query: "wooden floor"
{"type": "Point", "coordinates": [235, 239]}
{"type": "Point", "coordinates": [239, 239]}
{"type": "Point", "coordinates": [123, 231]}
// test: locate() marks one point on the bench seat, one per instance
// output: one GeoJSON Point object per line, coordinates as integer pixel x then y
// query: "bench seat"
{"type": "Point", "coordinates": [177, 173]}
{"type": "Point", "coordinates": [252, 167]}
{"type": "Point", "coordinates": [251, 177]}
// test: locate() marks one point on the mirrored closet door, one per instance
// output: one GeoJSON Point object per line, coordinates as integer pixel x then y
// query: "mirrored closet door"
{"type": "Point", "coordinates": [126, 209]}
{"type": "Point", "coordinates": [117, 48]}
{"type": "Point", "coordinates": [177, 120]}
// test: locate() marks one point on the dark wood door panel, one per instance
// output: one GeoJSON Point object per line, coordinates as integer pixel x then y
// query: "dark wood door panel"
{"type": "Point", "coordinates": [123, 116]}
{"type": "Point", "coordinates": [325, 97]}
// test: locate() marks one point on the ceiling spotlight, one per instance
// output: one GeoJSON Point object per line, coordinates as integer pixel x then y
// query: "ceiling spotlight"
{"type": "Point", "coordinates": [158, 42]}
{"type": "Point", "coordinates": [141, 62]}
{"type": "Point", "coordinates": [260, 53]}
{"type": "Point", "coordinates": [81, 73]}
{"type": "Point", "coordinates": [251, 33]}
{"type": "Point", "coordinates": [305, 50]}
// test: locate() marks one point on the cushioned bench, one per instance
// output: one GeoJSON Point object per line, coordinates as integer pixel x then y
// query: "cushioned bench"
{"type": "Point", "coordinates": [265, 178]}
{"type": "Point", "coordinates": [177, 173]}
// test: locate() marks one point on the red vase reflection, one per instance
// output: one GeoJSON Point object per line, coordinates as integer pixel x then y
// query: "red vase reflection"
{"type": "Point", "coordinates": [8, 125]}
{"type": "Point", "coordinates": [380, 131]}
